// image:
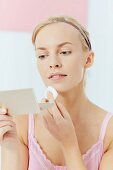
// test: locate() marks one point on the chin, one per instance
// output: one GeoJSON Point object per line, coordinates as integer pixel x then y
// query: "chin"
{"type": "Point", "coordinates": [61, 88]}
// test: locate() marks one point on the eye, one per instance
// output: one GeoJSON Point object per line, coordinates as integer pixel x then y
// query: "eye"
{"type": "Point", "coordinates": [42, 56]}
{"type": "Point", "coordinates": [65, 52]}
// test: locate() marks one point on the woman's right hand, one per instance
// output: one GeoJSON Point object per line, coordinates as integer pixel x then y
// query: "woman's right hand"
{"type": "Point", "coordinates": [8, 133]}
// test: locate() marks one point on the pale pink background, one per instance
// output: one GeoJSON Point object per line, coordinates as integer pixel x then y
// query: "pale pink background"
{"type": "Point", "coordinates": [23, 15]}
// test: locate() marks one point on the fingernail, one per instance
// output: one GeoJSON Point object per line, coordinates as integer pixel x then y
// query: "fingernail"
{"type": "Point", "coordinates": [49, 95]}
{"type": "Point", "coordinates": [44, 100]}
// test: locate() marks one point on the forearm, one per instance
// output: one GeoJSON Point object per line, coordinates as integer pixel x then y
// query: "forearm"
{"type": "Point", "coordinates": [73, 159]}
{"type": "Point", "coordinates": [10, 160]}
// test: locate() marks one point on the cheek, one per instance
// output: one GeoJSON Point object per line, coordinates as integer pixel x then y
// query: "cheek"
{"type": "Point", "coordinates": [77, 73]}
{"type": "Point", "coordinates": [41, 69]}
{"type": "Point", "coordinates": [76, 70]}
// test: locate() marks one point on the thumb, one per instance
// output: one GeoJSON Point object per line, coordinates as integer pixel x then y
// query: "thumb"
{"type": "Point", "coordinates": [50, 97]}
{"type": "Point", "coordinates": [44, 100]}
{"type": "Point", "coordinates": [5, 110]}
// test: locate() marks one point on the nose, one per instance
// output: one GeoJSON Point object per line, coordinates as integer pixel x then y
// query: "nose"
{"type": "Point", "coordinates": [54, 63]}
{"type": "Point", "coordinates": [55, 66]}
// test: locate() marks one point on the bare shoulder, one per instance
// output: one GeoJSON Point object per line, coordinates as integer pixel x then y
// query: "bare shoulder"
{"type": "Point", "coordinates": [101, 114]}
{"type": "Point", "coordinates": [109, 130]}
{"type": "Point", "coordinates": [96, 119]}
{"type": "Point", "coordinates": [22, 127]}
{"type": "Point", "coordinates": [109, 133]}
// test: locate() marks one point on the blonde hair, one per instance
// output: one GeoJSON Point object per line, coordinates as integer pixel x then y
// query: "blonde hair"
{"type": "Point", "coordinates": [84, 35]}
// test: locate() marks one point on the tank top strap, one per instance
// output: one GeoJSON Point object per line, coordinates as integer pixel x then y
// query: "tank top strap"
{"type": "Point", "coordinates": [104, 125]}
{"type": "Point", "coordinates": [31, 124]}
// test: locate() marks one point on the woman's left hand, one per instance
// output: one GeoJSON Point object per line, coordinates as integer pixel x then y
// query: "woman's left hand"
{"type": "Point", "coordinates": [59, 123]}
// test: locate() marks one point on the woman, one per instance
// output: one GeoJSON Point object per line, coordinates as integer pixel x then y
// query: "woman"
{"type": "Point", "coordinates": [72, 134]}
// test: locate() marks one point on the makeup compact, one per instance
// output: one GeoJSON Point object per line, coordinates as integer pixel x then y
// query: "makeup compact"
{"type": "Point", "coordinates": [24, 101]}
{"type": "Point", "coordinates": [19, 101]}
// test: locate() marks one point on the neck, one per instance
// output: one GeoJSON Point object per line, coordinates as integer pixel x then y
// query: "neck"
{"type": "Point", "coordinates": [75, 101]}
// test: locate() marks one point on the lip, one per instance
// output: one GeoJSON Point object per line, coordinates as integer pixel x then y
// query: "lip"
{"type": "Point", "coordinates": [56, 74]}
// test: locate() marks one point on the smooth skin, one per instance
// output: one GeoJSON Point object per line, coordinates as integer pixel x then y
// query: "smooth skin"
{"type": "Point", "coordinates": [72, 111]}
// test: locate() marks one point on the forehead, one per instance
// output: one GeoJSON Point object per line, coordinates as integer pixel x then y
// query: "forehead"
{"type": "Point", "coordinates": [56, 33]}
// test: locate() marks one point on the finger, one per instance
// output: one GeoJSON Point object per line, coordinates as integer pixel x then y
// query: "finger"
{"type": "Point", "coordinates": [4, 130]}
{"type": "Point", "coordinates": [3, 110]}
{"type": "Point", "coordinates": [44, 100]}
{"type": "Point", "coordinates": [63, 110]}
{"type": "Point", "coordinates": [47, 113]}
{"type": "Point", "coordinates": [60, 110]}
{"type": "Point", "coordinates": [50, 96]}
{"type": "Point", "coordinates": [49, 121]}
{"type": "Point", "coordinates": [54, 110]}
{"type": "Point", "coordinates": [5, 117]}
{"type": "Point", "coordinates": [44, 121]}
{"type": "Point", "coordinates": [6, 123]}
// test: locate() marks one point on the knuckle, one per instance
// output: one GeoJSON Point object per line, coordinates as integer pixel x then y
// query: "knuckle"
{"type": "Point", "coordinates": [5, 117]}
{"type": "Point", "coordinates": [6, 123]}
{"type": "Point", "coordinates": [3, 110]}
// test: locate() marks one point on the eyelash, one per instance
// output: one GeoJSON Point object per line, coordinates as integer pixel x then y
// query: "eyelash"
{"type": "Point", "coordinates": [42, 56]}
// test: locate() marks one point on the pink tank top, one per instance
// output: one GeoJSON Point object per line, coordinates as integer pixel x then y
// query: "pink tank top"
{"type": "Point", "coordinates": [39, 161]}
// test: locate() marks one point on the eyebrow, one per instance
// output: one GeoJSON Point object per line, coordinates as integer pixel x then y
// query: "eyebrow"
{"type": "Point", "coordinates": [60, 45]}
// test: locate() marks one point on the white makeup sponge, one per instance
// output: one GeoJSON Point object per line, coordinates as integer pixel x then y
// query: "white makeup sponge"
{"type": "Point", "coordinates": [52, 90]}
